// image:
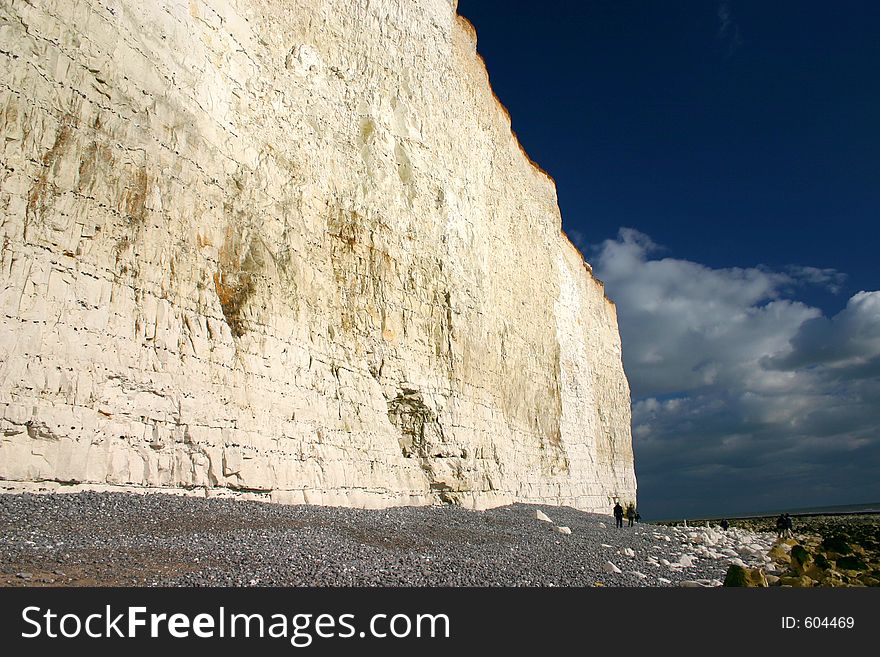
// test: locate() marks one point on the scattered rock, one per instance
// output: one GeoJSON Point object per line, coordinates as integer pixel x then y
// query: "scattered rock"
{"type": "Point", "coordinates": [747, 577]}
{"type": "Point", "coordinates": [822, 561]}
{"type": "Point", "coordinates": [780, 554]}
{"type": "Point", "coordinates": [837, 545]}
{"type": "Point", "coordinates": [800, 582]}
{"type": "Point", "coordinates": [851, 563]}
{"type": "Point", "coordinates": [135, 540]}
{"type": "Point", "coordinates": [540, 515]}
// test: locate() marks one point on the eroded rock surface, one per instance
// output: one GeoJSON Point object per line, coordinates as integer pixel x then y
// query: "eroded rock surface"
{"type": "Point", "coordinates": [289, 250]}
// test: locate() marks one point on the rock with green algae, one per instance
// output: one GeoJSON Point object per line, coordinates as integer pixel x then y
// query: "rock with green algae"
{"type": "Point", "coordinates": [745, 577]}
{"type": "Point", "coordinates": [801, 559]}
{"type": "Point", "coordinates": [780, 553]}
{"type": "Point", "coordinates": [836, 544]}
{"type": "Point", "coordinates": [826, 539]}
{"type": "Point", "coordinates": [851, 563]}
{"type": "Point", "coordinates": [822, 561]}
{"type": "Point", "coordinates": [832, 578]}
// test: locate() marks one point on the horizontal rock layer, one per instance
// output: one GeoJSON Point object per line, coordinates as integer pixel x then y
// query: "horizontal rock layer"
{"type": "Point", "coordinates": [289, 249]}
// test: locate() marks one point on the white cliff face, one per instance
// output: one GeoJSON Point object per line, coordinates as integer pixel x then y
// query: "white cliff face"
{"type": "Point", "coordinates": [289, 248]}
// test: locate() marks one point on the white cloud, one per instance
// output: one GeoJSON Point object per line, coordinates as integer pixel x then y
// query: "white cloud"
{"type": "Point", "coordinates": [686, 325]}
{"type": "Point", "coordinates": [850, 338]}
{"type": "Point", "coordinates": [830, 279]}
{"type": "Point", "coordinates": [729, 376]}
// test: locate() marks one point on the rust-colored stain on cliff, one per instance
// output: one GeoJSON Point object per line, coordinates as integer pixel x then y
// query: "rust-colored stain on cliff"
{"type": "Point", "coordinates": [135, 201]}
{"type": "Point", "coordinates": [42, 192]}
{"type": "Point", "coordinates": [234, 282]}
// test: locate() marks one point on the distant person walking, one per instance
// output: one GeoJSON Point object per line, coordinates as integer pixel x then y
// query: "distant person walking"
{"type": "Point", "coordinates": [780, 526]}
{"type": "Point", "coordinates": [724, 524]}
{"type": "Point", "coordinates": [630, 514]}
{"type": "Point", "coordinates": [618, 515]}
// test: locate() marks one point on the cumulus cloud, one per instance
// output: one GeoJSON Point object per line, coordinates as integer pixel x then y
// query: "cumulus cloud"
{"type": "Point", "coordinates": [686, 325]}
{"type": "Point", "coordinates": [850, 338]}
{"type": "Point", "coordinates": [742, 394]}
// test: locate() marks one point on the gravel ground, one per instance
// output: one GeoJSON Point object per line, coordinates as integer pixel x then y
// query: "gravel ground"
{"type": "Point", "coordinates": [119, 539]}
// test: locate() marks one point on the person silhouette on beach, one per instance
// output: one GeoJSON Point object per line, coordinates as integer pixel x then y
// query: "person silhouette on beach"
{"type": "Point", "coordinates": [618, 515]}
{"type": "Point", "coordinates": [724, 524]}
{"type": "Point", "coordinates": [780, 526]}
{"type": "Point", "coordinates": [787, 526]}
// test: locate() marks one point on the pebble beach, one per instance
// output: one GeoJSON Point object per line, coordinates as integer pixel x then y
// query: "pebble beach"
{"type": "Point", "coordinates": [124, 539]}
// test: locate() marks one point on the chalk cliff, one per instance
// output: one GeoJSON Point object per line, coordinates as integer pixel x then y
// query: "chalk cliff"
{"type": "Point", "coordinates": [289, 249]}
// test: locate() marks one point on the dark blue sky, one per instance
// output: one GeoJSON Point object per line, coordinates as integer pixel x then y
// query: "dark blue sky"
{"type": "Point", "coordinates": [738, 144]}
{"type": "Point", "coordinates": [754, 142]}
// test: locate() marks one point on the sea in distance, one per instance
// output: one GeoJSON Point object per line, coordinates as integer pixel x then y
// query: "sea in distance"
{"type": "Point", "coordinates": [842, 509]}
